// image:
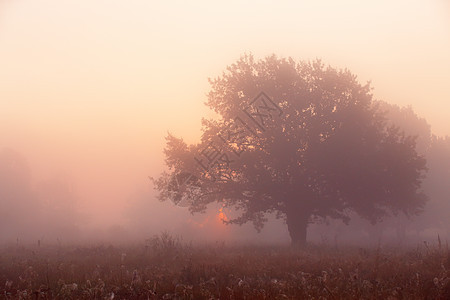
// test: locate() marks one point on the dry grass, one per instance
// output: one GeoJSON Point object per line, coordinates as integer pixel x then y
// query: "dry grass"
{"type": "Point", "coordinates": [164, 268]}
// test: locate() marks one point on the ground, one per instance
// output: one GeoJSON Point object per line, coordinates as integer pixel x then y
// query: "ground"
{"type": "Point", "coordinates": [165, 268]}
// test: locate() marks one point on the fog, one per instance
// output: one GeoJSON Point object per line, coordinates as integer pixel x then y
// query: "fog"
{"type": "Point", "coordinates": [89, 91]}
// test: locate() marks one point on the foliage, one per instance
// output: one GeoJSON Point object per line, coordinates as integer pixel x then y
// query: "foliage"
{"type": "Point", "coordinates": [325, 149]}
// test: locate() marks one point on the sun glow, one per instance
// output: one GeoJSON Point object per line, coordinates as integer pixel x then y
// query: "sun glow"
{"type": "Point", "coordinates": [221, 215]}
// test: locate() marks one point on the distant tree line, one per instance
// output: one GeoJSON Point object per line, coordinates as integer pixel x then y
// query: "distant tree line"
{"type": "Point", "coordinates": [41, 212]}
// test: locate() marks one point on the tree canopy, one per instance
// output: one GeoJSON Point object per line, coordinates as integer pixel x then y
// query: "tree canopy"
{"type": "Point", "coordinates": [299, 139]}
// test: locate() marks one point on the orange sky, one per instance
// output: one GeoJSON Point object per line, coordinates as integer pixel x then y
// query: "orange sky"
{"type": "Point", "coordinates": [91, 88]}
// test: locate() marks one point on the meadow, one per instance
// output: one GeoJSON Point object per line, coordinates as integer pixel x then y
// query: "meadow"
{"type": "Point", "coordinates": [164, 267]}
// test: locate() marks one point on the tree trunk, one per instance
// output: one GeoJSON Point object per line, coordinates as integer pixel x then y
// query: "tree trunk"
{"type": "Point", "coordinates": [297, 222]}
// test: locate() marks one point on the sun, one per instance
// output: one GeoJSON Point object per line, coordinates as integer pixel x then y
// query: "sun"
{"type": "Point", "coordinates": [221, 215]}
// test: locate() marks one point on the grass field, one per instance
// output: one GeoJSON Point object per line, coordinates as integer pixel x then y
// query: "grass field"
{"type": "Point", "coordinates": [165, 268]}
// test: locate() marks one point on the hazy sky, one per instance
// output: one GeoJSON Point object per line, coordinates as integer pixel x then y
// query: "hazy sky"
{"type": "Point", "coordinates": [90, 88]}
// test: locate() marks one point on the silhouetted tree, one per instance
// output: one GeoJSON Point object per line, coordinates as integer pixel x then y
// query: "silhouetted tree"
{"type": "Point", "coordinates": [437, 187]}
{"type": "Point", "coordinates": [312, 145]}
{"type": "Point", "coordinates": [411, 124]}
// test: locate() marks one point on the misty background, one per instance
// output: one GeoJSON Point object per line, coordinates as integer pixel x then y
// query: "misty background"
{"type": "Point", "coordinates": [89, 90]}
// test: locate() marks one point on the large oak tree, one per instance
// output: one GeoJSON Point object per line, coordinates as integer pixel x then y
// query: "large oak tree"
{"type": "Point", "coordinates": [313, 144]}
